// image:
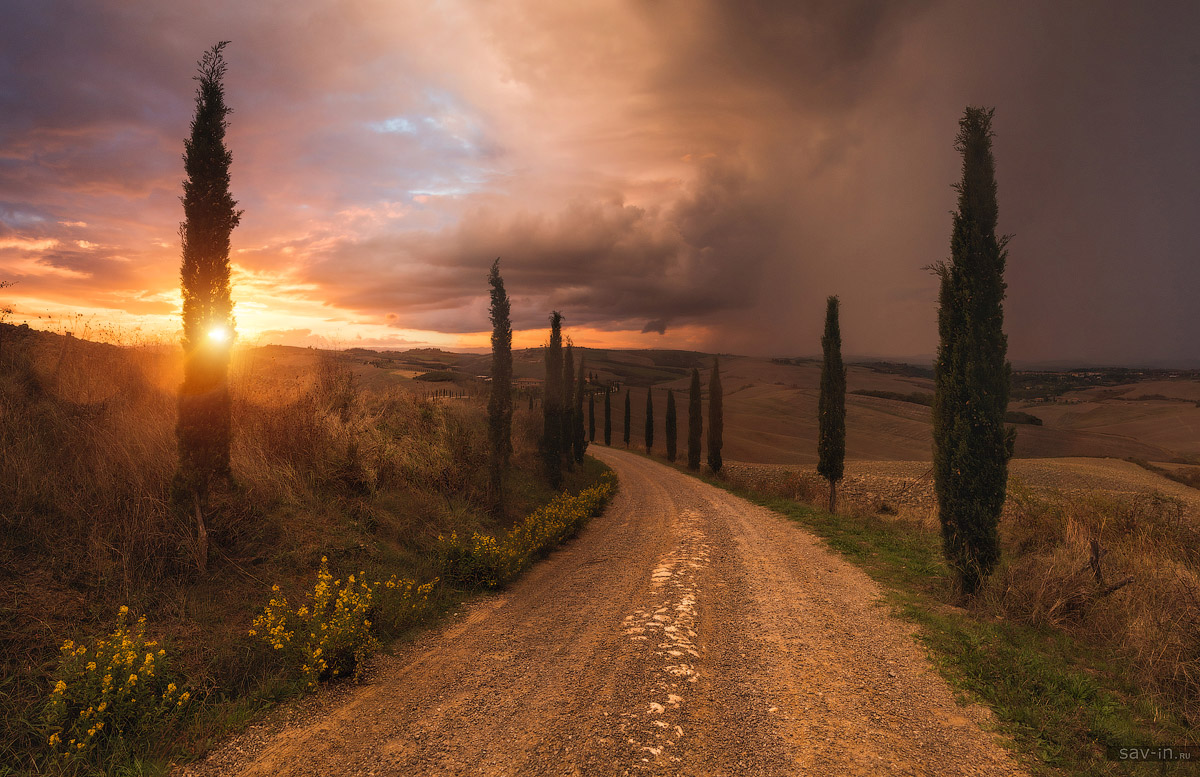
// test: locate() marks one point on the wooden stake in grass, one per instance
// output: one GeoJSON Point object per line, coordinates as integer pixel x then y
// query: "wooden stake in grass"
{"type": "Point", "coordinates": [210, 215]}
{"type": "Point", "coordinates": [831, 407]}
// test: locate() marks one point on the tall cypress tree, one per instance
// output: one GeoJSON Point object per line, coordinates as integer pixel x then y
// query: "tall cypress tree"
{"type": "Point", "coordinates": [716, 417]}
{"type": "Point", "coordinates": [591, 416]}
{"type": "Point", "coordinates": [500, 406]}
{"type": "Point", "coordinates": [649, 433]}
{"type": "Point", "coordinates": [578, 440]}
{"type": "Point", "coordinates": [608, 415]}
{"type": "Point", "coordinates": [628, 412]}
{"type": "Point", "coordinates": [695, 421]}
{"type": "Point", "coordinates": [552, 403]}
{"type": "Point", "coordinates": [671, 430]}
{"type": "Point", "coordinates": [568, 409]}
{"type": "Point", "coordinates": [204, 426]}
{"type": "Point", "coordinates": [971, 446]}
{"type": "Point", "coordinates": [831, 407]}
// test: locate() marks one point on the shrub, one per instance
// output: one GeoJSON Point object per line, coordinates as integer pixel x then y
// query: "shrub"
{"type": "Point", "coordinates": [331, 635]}
{"type": "Point", "coordinates": [115, 689]}
{"type": "Point", "coordinates": [483, 561]}
{"type": "Point", "coordinates": [327, 637]}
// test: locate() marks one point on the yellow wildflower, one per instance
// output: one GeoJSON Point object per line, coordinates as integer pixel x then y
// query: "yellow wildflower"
{"type": "Point", "coordinates": [55, 739]}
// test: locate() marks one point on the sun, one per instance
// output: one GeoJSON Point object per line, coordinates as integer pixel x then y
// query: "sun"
{"type": "Point", "coordinates": [219, 334]}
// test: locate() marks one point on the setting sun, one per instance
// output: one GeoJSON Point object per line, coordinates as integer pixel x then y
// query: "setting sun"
{"type": "Point", "coordinates": [219, 334]}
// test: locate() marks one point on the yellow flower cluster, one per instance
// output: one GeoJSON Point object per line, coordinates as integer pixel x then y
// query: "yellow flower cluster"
{"type": "Point", "coordinates": [486, 562]}
{"type": "Point", "coordinates": [330, 635]}
{"type": "Point", "coordinates": [113, 687]}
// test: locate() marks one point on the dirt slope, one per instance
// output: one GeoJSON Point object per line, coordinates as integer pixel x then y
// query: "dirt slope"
{"type": "Point", "coordinates": [684, 632]}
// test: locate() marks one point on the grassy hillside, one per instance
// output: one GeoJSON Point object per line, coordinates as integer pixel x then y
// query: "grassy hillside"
{"type": "Point", "coordinates": [333, 457]}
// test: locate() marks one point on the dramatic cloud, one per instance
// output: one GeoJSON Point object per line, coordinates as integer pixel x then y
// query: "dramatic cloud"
{"type": "Point", "coordinates": [692, 173]}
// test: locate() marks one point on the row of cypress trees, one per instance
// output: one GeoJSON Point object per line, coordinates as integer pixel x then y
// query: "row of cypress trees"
{"type": "Point", "coordinates": [716, 420]}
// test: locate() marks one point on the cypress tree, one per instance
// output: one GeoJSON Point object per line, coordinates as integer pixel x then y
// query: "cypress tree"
{"type": "Point", "coordinates": [971, 445]}
{"type": "Point", "coordinates": [578, 440]}
{"type": "Point", "coordinates": [552, 405]}
{"type": "Point", "coordinates": [608, 416]}
{"type": "Point", "coordinates": [591, 416]}
{"type": "Point", "coordinates": [649, 434]}
{"type": "Point", "coordinates": [831, 407]}
{"type": "Point", "coordinates": [568, 408]}
{"type": "Point", "coordinates": [500, 405]}
{"type": "Point", "coordinates": [716, 419]}
{"type": "Point", "coordinates": [670, 424]}
{"type": "Point", "coordinates": [628, 411]}
{"type": "Point", "coordinates": [204, 424]}
{"type": "Point", "coordinates": [695, 421]}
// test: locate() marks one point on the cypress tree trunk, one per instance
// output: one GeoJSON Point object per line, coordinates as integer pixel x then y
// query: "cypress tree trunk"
{"type": "Point", "coordinates": [567, 418]}
{"type": "Point", "coordinates": [831, 407]}
{"type": "Point", "coordinates": [592, 417]}
{"type": "Point", "coordinates": [695, 421]}
{"type": "Point", "coordinates": [500, 407]}
{"type": "Point", "coordinates": [716, 419]}
{"type": "Point", "coordinates": [670, 426]}
{"type": "Point", "coordinates": [552, 405]}
{"type": "Point", "coordinates": [971, 375]}
{"type": "Point", "coordinates": [607, 415]}
{"type": "Point", "coordinates": [628, 412]}
{"type": "Point", "coordinates": [649, 434]}
{"type": "Point", "coordinates": [204, 425]}
{"type": "Point", "coordinates": [578, 440]}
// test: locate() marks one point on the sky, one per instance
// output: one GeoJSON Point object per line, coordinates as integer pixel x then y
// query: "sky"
{"type": "Point", "coordinates": [695, 174]}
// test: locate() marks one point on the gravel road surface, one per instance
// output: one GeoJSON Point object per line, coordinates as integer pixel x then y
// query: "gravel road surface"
{"type": "Point", "coordinates": [684, 632]}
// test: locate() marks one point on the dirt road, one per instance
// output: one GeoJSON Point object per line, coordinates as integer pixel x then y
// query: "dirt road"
{"type": "Point", "coordinates": [686, 632]}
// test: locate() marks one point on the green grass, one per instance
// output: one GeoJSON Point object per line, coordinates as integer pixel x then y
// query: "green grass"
{"type": "Point", "coordinates": [1061, 702]}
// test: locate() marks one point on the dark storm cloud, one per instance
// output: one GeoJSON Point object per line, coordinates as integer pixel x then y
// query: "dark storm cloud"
{"type": "Point", "coordinates": [644, 166]}
{"type": "Point", "coordinates": [604, 263]}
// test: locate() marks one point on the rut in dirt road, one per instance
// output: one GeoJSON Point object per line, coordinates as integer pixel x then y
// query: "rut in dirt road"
{"type": "Point", "coordinates": [685, 631]}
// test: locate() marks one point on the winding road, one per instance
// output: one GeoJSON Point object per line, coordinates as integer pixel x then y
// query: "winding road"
{"type": "Point", "coordinates": [683, 632]}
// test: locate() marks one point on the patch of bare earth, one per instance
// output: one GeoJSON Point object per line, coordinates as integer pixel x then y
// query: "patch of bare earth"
{"type": "Point", "coordinates": [684, 632]}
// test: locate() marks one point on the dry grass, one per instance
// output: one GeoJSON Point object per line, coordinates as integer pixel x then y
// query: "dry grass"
{"type": "Point", "coordinates": [322, 467]}
{"type": "Point", "coordinates": [1153, 622]}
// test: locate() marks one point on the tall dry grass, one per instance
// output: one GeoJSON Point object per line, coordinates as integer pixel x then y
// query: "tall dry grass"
{"type": "Point", "coordinates": [1049, 578]}
{"type": "Point", "coordinates": [87, 453]}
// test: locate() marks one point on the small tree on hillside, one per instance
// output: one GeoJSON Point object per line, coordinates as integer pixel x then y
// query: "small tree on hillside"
{"type": "Point", "coordinates": [670, 426]}
{"type": "Point", "coordinates": [579, 442]}
{"type": "Point", "coordinates": [649, 434]}
{"type": "Point", "coordinates": [971, 445]}
{"type": "Point", "coordinates": [831, 407]}
{"type": "Point", "coordinates": [695, 421]}
{"type": "Point", "coordinates": [716, 418]}
{"type": "Point", "coordinates": [552, 402]}
{"type": "Point", "coordinates": [500, 405]}
{"type": "Point", "coordinates": [210, 215]}
{"type": "Point", "coordinates": [628, 413]}
{"type": "Point", "coordinates": [608, 416]}
{"type": "Point", "coordinates": [568, 408]}
{"type": "Point", "coordinates": [591, 416]}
